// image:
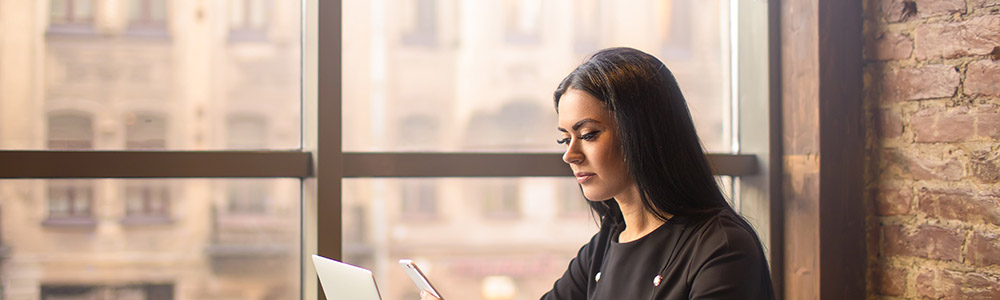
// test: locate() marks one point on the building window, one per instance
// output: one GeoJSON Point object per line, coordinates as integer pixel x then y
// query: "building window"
{"type": "Point", "coordinates": [70, 202]}
{"type": "Point", "coordinates": [145, 131]}
{"type": "Point", "coordinates": [246, 132]}
{"type": "Point", "coordinates": [147, 17]}
{"type": "Point", "coordinates": [85, 292]}
{"type": "Point", "coordinates": [418, 132]}
{"type": "Point", "coordinates": [70, 12]}
{"type": "Point", "coordinates": [146, 201]}
{"type": "Point", "coordinates": [419, 198]}
{"type": "Point", "coordinates": [419, 21]}
{"type": "Point", "coordinates": [501, 199]}
{"type": "Point", "coordinates": [522, 21]}
{"type": "Point", "coordinates": [248, 20]}
{"type": "Point", "coordinates": [247, 197]}
{"type": "Point", "coordinates": [70, 131]}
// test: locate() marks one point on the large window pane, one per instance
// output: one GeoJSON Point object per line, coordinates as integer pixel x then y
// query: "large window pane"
{"type": "Point", "coordinates": [149, 239]}
{"type": "Point", "coordinates": [149, 74]}
{"type": "Point", "coordinates": [476, 238]}
{"type": "Point", "coordinates": [451, 75]}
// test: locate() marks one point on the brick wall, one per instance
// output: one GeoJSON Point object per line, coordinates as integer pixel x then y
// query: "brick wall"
{"type": "Point", "coordinates": [932, 88]}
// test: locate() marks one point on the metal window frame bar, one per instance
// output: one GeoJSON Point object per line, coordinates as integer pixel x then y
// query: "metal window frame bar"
{"type": "Point", "coordinates": [299, 164]}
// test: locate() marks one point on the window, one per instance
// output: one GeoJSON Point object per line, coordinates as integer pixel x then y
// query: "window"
{"type": "Point", "coordinates": [70, 202]}
{"type": "Point", "coordinates": [147, 16]}
{"type": "Point", "coordinates": [70, 131]}
{"type": "Point", "coordinates": [246, 132]}
{"type": "Point", "coordinates": [419, 22]}
{"type": "Point", "coordinates": [145, 131]}
{"type": "Point", "coordinates": [147, 201]}
{"type": "Point", "coordinates": [476, 120]}
{"type": "Point", "coordinates": [84, 292]}
{"type": "Point", "coordinates": [247, 196]}
{"type": "Point", "coordinates": [118, 146]}
{"type": "Point", "coordinates": [460, 91]}
{"type": "Point", "coordinates": [419, 199]}
{"type": "Point", "coordinates": [500, 200]}
{"type": "Point", "coordinates": [523, 21]}
{"type": "Point", "coordinates": [70, 12]}
{"type": "Point", "coordinates": [248, 19]}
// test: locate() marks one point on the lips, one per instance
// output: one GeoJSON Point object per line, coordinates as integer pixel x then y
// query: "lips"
{"type": "Point", "coordinates": [582, 177]}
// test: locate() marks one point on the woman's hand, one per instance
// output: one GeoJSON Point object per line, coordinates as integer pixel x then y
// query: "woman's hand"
{"type": "Point", "coordinates": [425, 295]}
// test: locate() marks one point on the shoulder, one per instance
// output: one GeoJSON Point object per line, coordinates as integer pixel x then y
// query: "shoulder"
{"type": "Point", "coordinates": [723, 239]}
{"type": "Point", "coordinates": [724, 231]}
{"type": "Point", "coordinates": [727, 259]}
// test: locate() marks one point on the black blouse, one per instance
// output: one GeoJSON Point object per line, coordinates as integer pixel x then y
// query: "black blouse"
{"type": "Point", "coordinates": [712, 257]}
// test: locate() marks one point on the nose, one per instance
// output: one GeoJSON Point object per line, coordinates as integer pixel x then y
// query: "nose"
{"type": "Point", "coordinates": [573, 155]}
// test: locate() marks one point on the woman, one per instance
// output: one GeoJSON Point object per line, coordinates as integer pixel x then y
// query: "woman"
{"type": "Point", "coordinates": [667, 231]}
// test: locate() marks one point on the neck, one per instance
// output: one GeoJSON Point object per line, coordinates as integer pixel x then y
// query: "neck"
{"type": "Point", "coordinates": [638, 220]}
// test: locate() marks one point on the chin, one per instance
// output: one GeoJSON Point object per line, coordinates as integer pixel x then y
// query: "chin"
{"type": "Point", "coordinates": [596, 197]}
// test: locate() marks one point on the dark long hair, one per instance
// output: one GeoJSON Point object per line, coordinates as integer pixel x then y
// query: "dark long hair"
{"type": "Point", "coordinates": [662, 151]}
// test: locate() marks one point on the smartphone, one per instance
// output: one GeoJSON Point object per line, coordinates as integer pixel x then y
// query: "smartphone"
{"type": "Point", "coordinates": [418, 277]}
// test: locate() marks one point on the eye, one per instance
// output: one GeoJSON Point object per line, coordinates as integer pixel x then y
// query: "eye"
{"type": "Point", "coordinates": [563, 141]}
{"type": "Point", "coordinates": [590, 136]}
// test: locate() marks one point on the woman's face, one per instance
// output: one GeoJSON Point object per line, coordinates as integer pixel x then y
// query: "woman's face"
{"type": "Point", "coordinates": [593, 152]}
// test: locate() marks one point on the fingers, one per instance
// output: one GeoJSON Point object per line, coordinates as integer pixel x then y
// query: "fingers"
{"type": "Point", "coordinates": [425, 295]}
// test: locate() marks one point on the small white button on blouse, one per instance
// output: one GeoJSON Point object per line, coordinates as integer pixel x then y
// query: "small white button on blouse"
{"type": "Point", "coordinates": [597, 277]}
{"type": "Point", "coordinates": [656, 280]}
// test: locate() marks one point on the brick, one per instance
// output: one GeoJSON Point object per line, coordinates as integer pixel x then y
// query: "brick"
{"type": "Point", "coordinates": [890, 10]}
{"type": "Point", "coordinates": [927, 241]}
{"type": "Point", "coordinates": [890, 124]}
{"type": "Point", "coordinates": [976, 36]}
{"type": "Point", "coordinates": [873, 234]}
{"type": "Point", "coordinates": [960, 205]}
{"type": "Point", "coordinates": [947, 284]}
{"type": "Point", "coordinates": [930, 8]}
{"type": "Point", "coordinates": [985, 166]}
{"type": "Point", "coordinates": [984, 3]}
{"type": "Point", "coordinates": [902, 10]}
{"type": "Point", "coordinates": [919, 167]}
{"type": "Point", "coordinates": [983, 78]}
{"type": "Point", "coordinates": [933, 81]}
{"type": "Point", "coordinates": [891, 202]}
{"type": "Point", "coordinates": [888, 46]}
{"type": "Point", "coordinates": [983, 249]}
{"type": "Point", "coordinates": [932, 125]}
{"type": "Point", "coordinates": [888, 280]}
{"type": "Point", "coordinates": [988, 125]}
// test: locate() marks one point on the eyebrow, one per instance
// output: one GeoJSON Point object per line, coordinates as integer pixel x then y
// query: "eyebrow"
{"type": "Point", "coordinates": [579, 124]}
